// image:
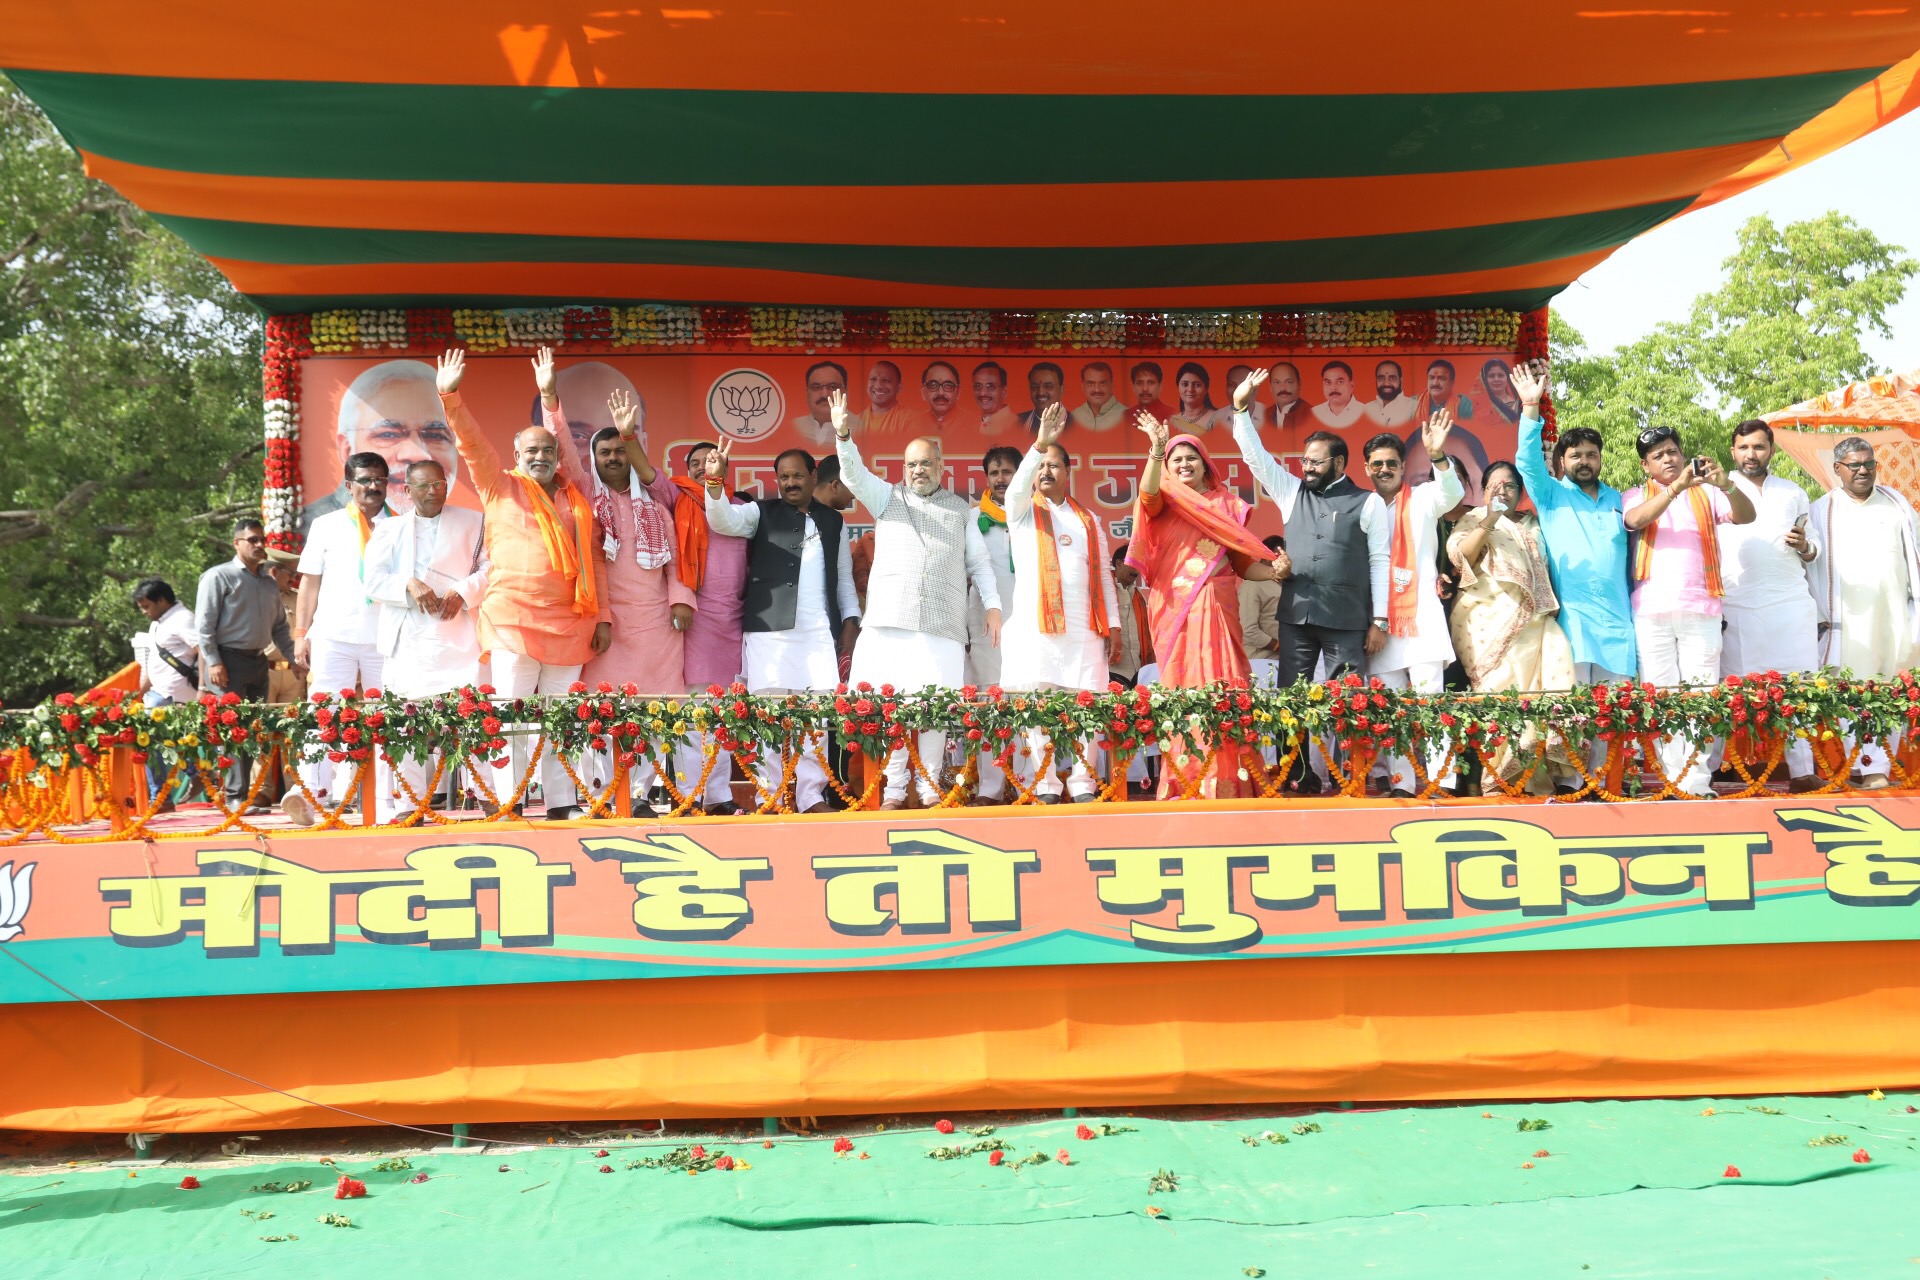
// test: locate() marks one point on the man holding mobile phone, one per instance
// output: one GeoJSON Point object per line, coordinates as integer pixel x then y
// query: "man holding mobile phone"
{"type": "Point", "coordinates": [1772, 622]}
{"type": "Point", "coordinates": [1676, 570]}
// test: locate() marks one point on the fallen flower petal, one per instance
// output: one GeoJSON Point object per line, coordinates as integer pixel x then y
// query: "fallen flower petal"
{"type": "Point", "coordinates": [767, 1143]}
{"type": "Point", "coordinates": [1733, 1171]}
{"type": "Point", "coordinates": [995, 1157]}
{"type": "Point", "coordinates": [419, 1178]}
{"type": "Point", "coordinates": [1526, 1164]}
{"type": "Point", "coordinates": [602, 1153]}
{"type": "Point", "coordinates": [1860, 1156]}
{"type": "Point", "coordinates": [842, 1145]}
{"type": "Point", "coordinates": [189, 1183]}
{"type": "Point", "coordinates": [1063, 1157]}
{"type": "Point", "coordinates": [698, 1152]}
{"type": "Point", "coordinates": [1541, 1155]}
{"type": "Point", "coordinates": [1876, 1096]}
{"type": "Point", "coordinates": [606, 1168]}
{"type": "Point", "coordinates": [506, 1168]}
{"type": "Point", "coordinates": [723, 1162]}
{"type": "Point", "coordinates": [349, 1188]}
{"type": "Point", "coordinates": [943, 1126]}
{"type": "Point", "coordinates": [1082, 1132]}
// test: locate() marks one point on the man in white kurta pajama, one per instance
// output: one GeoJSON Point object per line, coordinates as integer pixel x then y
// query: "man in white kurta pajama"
{"type": "Point", "coordinates": [1419, 645]}
{"type": "Point", "coordinates": [983, 657]}
{"type": "Point", "coordinates": [800, 599]}
{"type": "Point", "coordinates": [426, 571]}
{"type": "Point", "coordinates": [927, 547]}
{"type": "Point", "coordinates": [1063, 582]}
{"type": "Point", "coordinates": [1866, 581]}
{"type": "Point", "coordinates": [1772, 621]}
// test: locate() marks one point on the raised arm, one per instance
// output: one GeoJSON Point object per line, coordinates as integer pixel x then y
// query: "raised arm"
{"type": "Point", "coordinates": [479, 458]}
{"type": "Point", "coordinates": [554, 418]}
{"type": "Point", "coordinates": [1020, 488]}
{"type": "Point", "coordinates": [873, 492]}
{"type": "Point", "coordinates": [1441, 494]}
{"type": "Point", "coordinates": [1279, 484]}
{"type": "Point", "coordinates": [1529, 456]}
{"type": "Point", "coordinates": [629, 419]}
{"type": "Point", "coordinates": [722, 516]}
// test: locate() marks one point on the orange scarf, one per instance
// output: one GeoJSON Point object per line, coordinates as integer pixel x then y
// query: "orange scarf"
{"type": "Point", "coordinates": [1053, 614]}
{"type": "Point", "coordinates": [1140, 626]}
{"type": "Point", "coordinates": [571, 561]}
{"type": "Point", "coordinates": [1703, 519]}
{"type": "Point", "coordinates": [690, 533]}
{"type": "Point", "coordinates": [366, 531]}
{"type": "Point", "coordinates": [1403, 577]}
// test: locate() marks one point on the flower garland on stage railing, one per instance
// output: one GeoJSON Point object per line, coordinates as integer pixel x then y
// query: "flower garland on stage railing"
{"type": "Point", "coordinates": [664, 328]}
{"type": "Point", "coordinates": [1352, 720]}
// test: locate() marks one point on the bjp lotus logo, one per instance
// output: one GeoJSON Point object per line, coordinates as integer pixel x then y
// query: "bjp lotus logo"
{"type": "Point", "coordinates": [16, 895]}
{"type": "Point", "coordinates": [745, 404]}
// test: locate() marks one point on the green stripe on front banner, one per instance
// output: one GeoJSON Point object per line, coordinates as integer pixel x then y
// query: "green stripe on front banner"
{"type": "Point", "coordinates": [738, 138]}
{"type": "Point", "coordinates": [1454, 249]}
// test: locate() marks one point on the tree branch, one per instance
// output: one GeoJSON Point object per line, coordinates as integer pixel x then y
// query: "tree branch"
{"type": "Point", "coordinates": [43, 622]}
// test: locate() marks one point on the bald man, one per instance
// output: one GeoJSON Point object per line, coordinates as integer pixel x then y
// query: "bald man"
{"type": "Point", "coordinates": [545, 609]}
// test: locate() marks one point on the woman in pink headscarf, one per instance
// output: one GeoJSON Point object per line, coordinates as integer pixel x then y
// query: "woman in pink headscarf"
{"type": "Point", "coordinates": [1191, 546]}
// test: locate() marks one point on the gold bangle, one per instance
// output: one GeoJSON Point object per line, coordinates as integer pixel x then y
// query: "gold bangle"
{"type": "Point", "coordinates": [1156, 455]}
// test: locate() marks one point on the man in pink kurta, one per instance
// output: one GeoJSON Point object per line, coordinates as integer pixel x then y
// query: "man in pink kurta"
{"type": "Point", "coordinates": [545, 610]}
{"type": "Point", "coordinates": [718, 564]}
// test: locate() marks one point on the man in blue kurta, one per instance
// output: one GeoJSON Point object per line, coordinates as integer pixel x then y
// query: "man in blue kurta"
{"type": "Point", "coordinates": [1586, 536]}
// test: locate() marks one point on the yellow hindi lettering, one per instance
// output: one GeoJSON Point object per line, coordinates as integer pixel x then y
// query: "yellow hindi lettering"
{"type": "Point", "coordinates": [1202, 878]}
{"type": "Point", "coordinates": [156, 911]}
{"type": "Point", "coordinates": [1871, 860]}
{"type": "Point", "coordinates": [438, 904]}
{"type": "Point", "coordinates": [917, 873]}
{"type": "Point", "coordinates": [683, 891]}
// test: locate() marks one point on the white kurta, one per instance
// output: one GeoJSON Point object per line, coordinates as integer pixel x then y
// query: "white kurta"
{"type": "Point", "coordinates": [427, 655]}
{"type": "Point", "coordinates": [1868, 562]}
{"type": "Point", "coordinates": [803, 656]}
{"type": "Point", "coordinates": [983, 660]}
{"type": "Point", "coordinates": [1432, 641]}
{"type": "Point", "coordinates": [1077, 657]}
{"type": "Point", "coordinates": [343, 613]}
{"type": "Point", "coordinates": [1772, 624]}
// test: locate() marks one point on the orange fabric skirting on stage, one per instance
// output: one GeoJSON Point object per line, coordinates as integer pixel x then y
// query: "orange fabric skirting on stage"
{"type": "Point", "coordinates": [1756, 1019]}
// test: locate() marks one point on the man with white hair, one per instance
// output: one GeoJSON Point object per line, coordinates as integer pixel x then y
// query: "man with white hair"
{"type": "Point", "coordinates": [1866, 581]}
{"type": "Point", "coordinates": [927, 548]}
{"type": "Point", "coordinates": [545, 611]}
{"type": "Point", "coordinates": [391, 410]}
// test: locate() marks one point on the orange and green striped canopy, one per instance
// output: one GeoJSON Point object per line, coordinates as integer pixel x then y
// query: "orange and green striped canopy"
{"type": "Point", "coordinates": [964, 153]}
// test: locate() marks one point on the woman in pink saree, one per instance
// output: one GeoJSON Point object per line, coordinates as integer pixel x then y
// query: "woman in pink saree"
{"type": "Point", "coordinates": [1191, 547]}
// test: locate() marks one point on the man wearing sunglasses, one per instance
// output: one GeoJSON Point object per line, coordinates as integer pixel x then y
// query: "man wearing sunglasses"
{"type": "Point", "coordinates": [1866, 581]}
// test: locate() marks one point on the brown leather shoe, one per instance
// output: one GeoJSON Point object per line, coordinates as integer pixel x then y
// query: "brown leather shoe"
{"type": "Point", "coordinates": [1800, 786]}
{"type": "Point", "coordinates": [894, 804]}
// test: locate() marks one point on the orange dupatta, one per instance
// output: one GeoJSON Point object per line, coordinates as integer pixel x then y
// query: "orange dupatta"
{"type": "Point", "coordinates": [571, 562]}
{"type": "Point", "coordinates": [690, 533]}
{"type": "Point", "coordinates": [1053, 616]}
{"type": "Point", "coordinates": [1704, 521]}
{"type": "Point", "coordinates": [1403, 581]}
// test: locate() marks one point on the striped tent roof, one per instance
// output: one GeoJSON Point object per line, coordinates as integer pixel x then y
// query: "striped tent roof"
{"type": "Point", "coordinates": [968, 153]}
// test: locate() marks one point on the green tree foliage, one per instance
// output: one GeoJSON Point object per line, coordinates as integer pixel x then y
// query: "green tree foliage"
{"type": "Point", "coordinates": [1785, 325]}
{"type": "Point", "coordinates": [129, 407]}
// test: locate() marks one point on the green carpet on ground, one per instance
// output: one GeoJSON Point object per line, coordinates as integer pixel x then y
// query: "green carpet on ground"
{"type": "Point", "coordinates": [1625, 1188]}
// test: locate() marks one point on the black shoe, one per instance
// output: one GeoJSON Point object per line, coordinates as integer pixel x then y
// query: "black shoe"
{"type": "Point", "coordinates": [564, 813]}
{"type": "Point", "coordinates": [1400, 793]}
{"type": "Point", "coordinates": [501, 811]}
{"type": "Point", "coordinates": [1048, 799]}
{"type": "Point", "coordinates": [1086, 798]}
{"type": "Point", "coordinates": [725, 809]}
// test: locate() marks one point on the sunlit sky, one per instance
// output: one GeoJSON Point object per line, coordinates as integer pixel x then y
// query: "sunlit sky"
{"type": "Point", "coordinates": [1876, 181]}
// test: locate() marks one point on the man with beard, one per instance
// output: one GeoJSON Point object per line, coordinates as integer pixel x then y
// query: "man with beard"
{"type": "Point", "coordinates": [1340, 410]}
{"type": "Point", "coordinates": [884, 414]}
{"type": "Point", "coordinates": [823, 379]}
{"type": "Point", "coordinates": [940, 390]}
{"type": "Point", "coordinates": [1440, 395]}
{"type": "Point", "coordinates": [1334, 605]}
{"type": "Point", "coordinates": [927, 548]}
{"type": "Point", "coordinates": [1045, 381]}
{"type": "Point", "coordinates": [983, 657]}
{"type": "Point", "coordinates": [1418, 645]}
{"type": "Point", "coordinates": [1676, 579]}
{"type": "Point", "coordinates": [334, 623]}
{"type": "Point", "coordinates": [1388, 407]}
{"type": "Point", "coordinates": [425, 571]}
{"type": "Point", "coordinates": [800, 605]}
{"type": "Point", "coordinates": [545, 612]}
{"type": "Point", "coordinates": [1147, 380]}
{"type": "Point", "coordinates": [1290, 412]}
{"type": "Point", "coordinates": [390, 410]}
{"type": "Point", "coordinates": [1099, 410]}
{"type": "Point", "coordinates": [990, 393]}
{"type": "Point", "coordinates": [1866, 581]}
{"type": "Point", "coordinates": [1065, 629]}
{"type": "Point", "coordinates": [1772, 623]}
{"type": "Point", "coordinates": [1582, 523]}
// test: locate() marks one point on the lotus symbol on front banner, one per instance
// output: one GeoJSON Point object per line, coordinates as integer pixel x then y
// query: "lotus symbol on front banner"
{"type": "Point", "coordinates": [16, 895]}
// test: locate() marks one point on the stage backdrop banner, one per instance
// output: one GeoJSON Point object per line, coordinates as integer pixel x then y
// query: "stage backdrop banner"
{"type": "Point", "coordinates": [769, 403]}
{"type": "Point", "coordinates": [499, 905]}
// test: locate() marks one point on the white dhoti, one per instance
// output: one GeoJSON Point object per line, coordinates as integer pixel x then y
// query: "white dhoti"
{"type": "Point", "coordinates": [335, 666]}
{"type": "Point", "coordinates": [1782, 637]}
{"type": "Point", "coordinates": [910, 661]}
{"type": "Point", "coordinates": [1421, 677]}
{"type": "Point", "coordinates": [515, 675]}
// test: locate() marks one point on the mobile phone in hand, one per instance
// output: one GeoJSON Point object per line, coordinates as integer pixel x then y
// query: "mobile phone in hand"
{"type": "Point", "coordinates": [1699, 466]}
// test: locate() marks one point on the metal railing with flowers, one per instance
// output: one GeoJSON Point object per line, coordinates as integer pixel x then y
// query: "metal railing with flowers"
{"type": "Point", "coordinates": [72, 760]}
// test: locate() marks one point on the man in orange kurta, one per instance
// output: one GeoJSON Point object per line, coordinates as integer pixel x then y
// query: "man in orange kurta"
{"type": "Point", "coordinates": [545, 611]}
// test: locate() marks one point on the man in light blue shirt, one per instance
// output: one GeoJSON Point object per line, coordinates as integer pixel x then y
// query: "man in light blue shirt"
{"type": "Point", "coordinates": [1586, 542]}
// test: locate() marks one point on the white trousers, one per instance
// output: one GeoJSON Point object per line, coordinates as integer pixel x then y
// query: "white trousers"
{"type": "Point", "coordinates": [933, 747]}
{"type": "Point", "coordinates": [1676, 649]}
{"type": "Point", "coordinates": [336, 666]}
{"type": "Point", "coordinates": [517, 676]}
{"type": "Point", "coordinates": [809, 779]}
{"type": "Point", "coordinates": [1421, 677]}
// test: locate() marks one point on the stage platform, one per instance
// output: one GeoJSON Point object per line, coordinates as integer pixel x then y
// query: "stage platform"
{"type": "Point", "coordinates": [1091, 956]}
